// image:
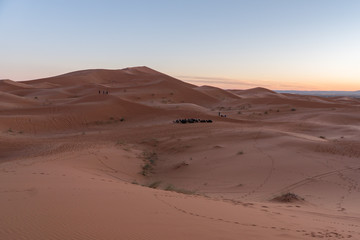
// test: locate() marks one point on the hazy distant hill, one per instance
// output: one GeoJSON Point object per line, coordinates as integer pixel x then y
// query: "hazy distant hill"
{"type": "Point", "coordinates": [324, 93]}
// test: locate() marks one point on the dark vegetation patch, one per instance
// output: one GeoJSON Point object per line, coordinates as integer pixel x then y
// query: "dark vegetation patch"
{"type": "Point", "coordinates": [149, 159]}
{"type": "Point", "coordinates": [172, 188]}
{"type": "Point", "coordinates": [288, 198]}
{"type": "Point", "coordinates": [155, 184]}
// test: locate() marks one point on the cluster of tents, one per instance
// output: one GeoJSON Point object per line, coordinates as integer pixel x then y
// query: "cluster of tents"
{"type": "Point", "coordinates": [192, 120]}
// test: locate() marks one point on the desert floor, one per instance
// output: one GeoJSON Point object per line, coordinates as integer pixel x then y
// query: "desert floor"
{"type": "Point", "coordinates": [77, 163]}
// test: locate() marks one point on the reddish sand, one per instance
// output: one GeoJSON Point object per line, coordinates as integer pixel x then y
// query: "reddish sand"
{"type": "Point", "coordinates": [76, 164]}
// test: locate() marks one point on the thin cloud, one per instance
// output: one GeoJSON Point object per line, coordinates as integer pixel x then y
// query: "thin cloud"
{"type": "Point", "coordinates": [248, 83]}
{"type": "Point", "coordinates": [225, 81]}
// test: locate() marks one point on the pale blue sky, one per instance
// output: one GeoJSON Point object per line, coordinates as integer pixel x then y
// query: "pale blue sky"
{"type": "Point", "coordinates": [278, 44]}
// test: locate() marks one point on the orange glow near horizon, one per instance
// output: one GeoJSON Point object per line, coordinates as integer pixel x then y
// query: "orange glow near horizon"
{"type": "Point", "coordinates": [304, 83]}
{"type": "Point", "coordinates": [292, 83]}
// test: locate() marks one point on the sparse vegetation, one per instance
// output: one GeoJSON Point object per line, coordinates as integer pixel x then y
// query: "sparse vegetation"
{"type": "Point", "coordinates": [149, 159]}
{"type": "Point", "coordinates": [146, 169]}
{"type": "Point", "coordinates": [240, 153]}
{"type": "Point", "coordinates": [155, 184]}
{"type": "Point", "coordinates": [288, 198]}
{"type": "Point", "coordinates": [322, 137]}
{"type": "Point", "coordinates": [293, 109]}
{"type": "Point", "coordinates": [10, 130]}
{"type": "Point", "coordinates": [171, 188]}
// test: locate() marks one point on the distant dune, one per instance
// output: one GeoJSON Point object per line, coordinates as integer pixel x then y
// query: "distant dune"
{"type": "Point", "coordinates": [97, 154]}
{"type": "Point", "coordinates": [324, 93]}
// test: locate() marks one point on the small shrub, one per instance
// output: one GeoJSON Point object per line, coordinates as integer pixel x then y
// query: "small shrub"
{"type": "Point", "coordinates": [155, 184]}
{"type": "Point", "coordinates": [171, 188]}
{"type": "Point", "coordinates": [293, 109]}
{"type": "Point", "coordinates": [240, 153]}
{"type": "Point", "coordinates": [150, 157]}
{"type": "Point", "coordinates": [322, 137]}
{"type": "Point", "coordinates": [10, 130]}
{"type": "Point", "coordinates": [184, 191]}
{"type": "Point", "coordinates": [146, 169]}
{"type": "Point", "coordinates": [122, 119]}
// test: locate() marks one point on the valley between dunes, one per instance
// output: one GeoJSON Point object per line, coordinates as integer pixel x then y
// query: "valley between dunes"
{"type": "Point", "coordinates": [79, 163]}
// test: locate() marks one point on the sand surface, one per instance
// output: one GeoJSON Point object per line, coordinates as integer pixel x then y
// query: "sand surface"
{"type": "Point", "coordinates": [76, 164]}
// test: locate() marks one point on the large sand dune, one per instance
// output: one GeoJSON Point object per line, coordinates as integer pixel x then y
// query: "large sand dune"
{"type": "Point", "coordinates": [77, 163]}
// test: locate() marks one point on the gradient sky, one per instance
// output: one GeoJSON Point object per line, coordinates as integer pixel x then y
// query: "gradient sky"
{"type": "Point", "coordinates": [277, 44]}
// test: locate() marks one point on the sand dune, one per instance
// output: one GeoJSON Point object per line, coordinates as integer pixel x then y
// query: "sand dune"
{"type": "Point", "coordinates": [8, 85]}
{"type": "Point", "coordinates": [79, 164]}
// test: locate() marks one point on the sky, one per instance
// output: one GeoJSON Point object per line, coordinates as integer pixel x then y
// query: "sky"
{"type": "Point", "coordinates": [277, 44]}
